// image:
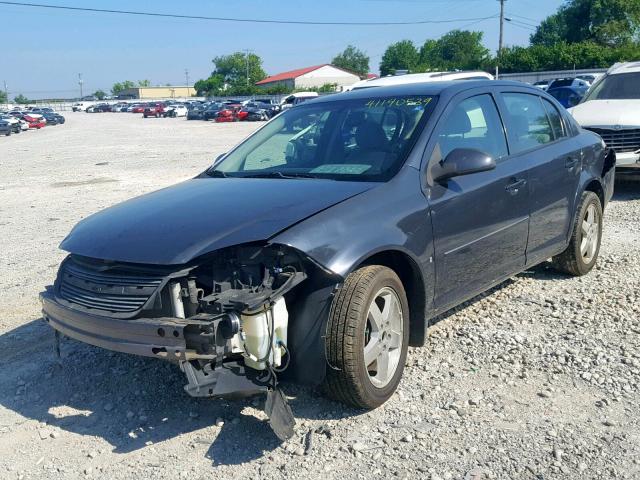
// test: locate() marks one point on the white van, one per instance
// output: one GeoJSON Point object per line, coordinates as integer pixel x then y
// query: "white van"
{"type": "Point", "coordinates": [296, 98]}
{"type": "Point", "coordinates": [419, 78]}
{"type": "Point", "coordinates": [81, 106]}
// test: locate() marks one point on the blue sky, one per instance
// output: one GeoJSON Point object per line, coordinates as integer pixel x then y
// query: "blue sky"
{"type": "Point", "coordinates": [44, 50]}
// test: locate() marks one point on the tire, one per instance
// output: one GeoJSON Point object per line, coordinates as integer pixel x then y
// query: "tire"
{"type": "Point", "coordinates": [350, 328]}
{"type": "Point", "coordinates": [582, 253]}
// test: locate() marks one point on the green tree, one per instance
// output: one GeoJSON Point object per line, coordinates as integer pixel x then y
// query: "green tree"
{"type": "Point", "coordinates": [209, 86]}
{"type": "Point", "coordinates": [3, 97]}
{"type": "Point", "coordinates": [457, 50]}
{"type": "Point", "coordinates": [21, 99]}
{"type": "Point", "coordinates": [606, 22]}
{"type": "Point", "coordinates": [401, 55]}
{"type": "Point", "coordinates": [99, 94]}
{"type": "Point", "coordinates": [563, 56]}
{"type": "Point", "coordinates": [120, 86]}
{"type": "Point", "coordinates": [230, 76]}
{"type": "Point", "coordinates": [144, 83]}
{"type": "Point", "coordinates": [352, 59]}
{"type": "Point", "coordinates": [239, 68]}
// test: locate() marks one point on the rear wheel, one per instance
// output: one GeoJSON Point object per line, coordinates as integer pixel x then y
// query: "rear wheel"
{"type": "Point", "coordinates": [580, 256]}
{"type": "Point", "coordinates": [367, 338]}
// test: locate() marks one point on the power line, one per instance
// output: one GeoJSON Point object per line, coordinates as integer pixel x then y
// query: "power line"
{"type": "Point", "coordinates": [230, 19]}
{"type": "Point", "coordinates": [524, 18]}
{"type": "Point", "coordinates": [526, 26]}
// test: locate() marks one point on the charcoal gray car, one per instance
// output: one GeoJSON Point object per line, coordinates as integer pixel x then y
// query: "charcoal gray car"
{"type": "Point", "coordinates": [322, 246]}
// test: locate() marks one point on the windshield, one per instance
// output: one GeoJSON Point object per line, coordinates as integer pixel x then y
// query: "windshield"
{"type": "Point", "coordinates": [365, 140]}
{"type": "Point", "coordinates": [621, 86]}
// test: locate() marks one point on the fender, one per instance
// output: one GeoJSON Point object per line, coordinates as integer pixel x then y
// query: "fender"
{"type": "Point", "coordinates": [343, 237]}
{"type": "Point", "coordinates": [598, 176]}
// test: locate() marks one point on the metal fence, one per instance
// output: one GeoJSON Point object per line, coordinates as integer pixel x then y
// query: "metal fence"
{"type": "Point", "coordinates": [531, 77]}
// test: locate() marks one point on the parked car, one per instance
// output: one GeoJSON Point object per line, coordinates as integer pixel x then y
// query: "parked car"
{"type": "Point", "coordinates": [40, 110]}
{"type": "Point", "coordinates": [227, 114]}
{"type": "Point", "coordinates": [333, 235]}
{"type": "Point", "coordinates": [99, 108]}
{"type": "Point", "coordinates": [542, 84]}
{"type": "Point", "coordinates": [611, 108]}
{"type": "Point", "coordinates": [211, 110]}
{"type": "Point", "coordinates": [34, 120]}
{"type": "Point", "coordinates": [271, 106]}
{"type": "Point", "coordinates": [253, 112]}
{"type": "Point", "coordinates": [137, 108]}
{"type": "Point", "coordinates": [296, 99]}
{"type": "Point", "coordinates": [176, 111]}
{"type": "Point", "coordinates": [590, 78]}
{"type": "Point", "coordinates": [81, 106]}
{"type": "Point", "coordinates": [567, 96]}
{"type": "Point", "coordinates": [418, 78]}
{"type": "Point", "coordinates": [569, 82]}
{"type": "Point", "coordinates": [196, 112]}
{"type": "Point", "coordinates": [14, 122]}
{"type": "Point", "coordinates": [53, 118]}
{"type": "Point", "coordinates": [5, 127]}
{"type": "Point", "coordinates": [153, 110]}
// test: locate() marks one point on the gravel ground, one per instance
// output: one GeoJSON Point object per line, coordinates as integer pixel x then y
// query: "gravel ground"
{"type": "Point", "coordinates": [537, 379]}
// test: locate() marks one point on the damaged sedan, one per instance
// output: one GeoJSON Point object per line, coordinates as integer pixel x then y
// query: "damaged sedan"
{"type": "Point", "coordinates": [321, 247]}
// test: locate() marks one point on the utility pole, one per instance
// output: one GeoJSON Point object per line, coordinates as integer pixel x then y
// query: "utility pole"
{"type": "Point", "coordinates": [80, 83]}
{"type": "Point", "coordinates": [6, 93]}
{"type": "Point", "coordinates": [246, 56]}
{"type": "Point", "coordinates": [501, 37]}
{"type": "Point", "coordinates": [186, 74]}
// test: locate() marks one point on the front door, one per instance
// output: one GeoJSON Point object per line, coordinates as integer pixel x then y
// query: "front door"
{"type": "Point", "coordinates": [480, 221]}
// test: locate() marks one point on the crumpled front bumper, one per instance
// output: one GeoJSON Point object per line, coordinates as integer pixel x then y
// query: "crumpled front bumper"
{"type": "Point", "coordinates": [165, 338]}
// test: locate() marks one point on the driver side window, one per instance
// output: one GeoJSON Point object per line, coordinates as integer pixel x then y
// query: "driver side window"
{"type": "Point", "coordinates": [474, 123]}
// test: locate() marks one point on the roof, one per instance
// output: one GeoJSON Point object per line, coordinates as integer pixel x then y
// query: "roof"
{"type": "Point", "coordinates": [629, 67]}
{"type": "Point", "coordinates": [291, 74]}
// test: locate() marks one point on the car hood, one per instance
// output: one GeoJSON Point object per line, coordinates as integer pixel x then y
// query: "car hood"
{"type": "Point", "coordinates": [607, 113]}
{"type": "Point", "coordinates": [180, 223]}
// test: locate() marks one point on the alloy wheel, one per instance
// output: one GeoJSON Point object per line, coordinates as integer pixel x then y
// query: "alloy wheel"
{"type": "Point", "coordinates": [590, 234]}
{"type": "Point", "coordinates": [383, 337]}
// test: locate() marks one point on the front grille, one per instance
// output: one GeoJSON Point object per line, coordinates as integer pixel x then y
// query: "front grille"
{"type": "Point", "coordinates": [624, 140]}
{"type": "Point", "coordinates": [116, 290]}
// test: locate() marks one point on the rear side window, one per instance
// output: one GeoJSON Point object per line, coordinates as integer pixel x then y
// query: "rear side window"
{"type": "Point", "coordinates": [473, 123]}
{"type": "Point", "coordinates": [555, 119]}
{"type": "Point", "coordinates": [527, 125]}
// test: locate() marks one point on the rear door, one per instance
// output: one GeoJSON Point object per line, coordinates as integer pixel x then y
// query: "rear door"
{"type": "Point", "coordinates": [480, 221]}
{"type": "Point", "coordinates": [540, 139]}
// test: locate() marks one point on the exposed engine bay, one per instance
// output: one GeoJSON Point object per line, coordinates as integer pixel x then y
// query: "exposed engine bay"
{"type": "Point", "coordinates": [225, 319]}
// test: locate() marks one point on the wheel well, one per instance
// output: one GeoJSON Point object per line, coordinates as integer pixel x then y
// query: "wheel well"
{"type": "Point", "coordinates": [413, 283]}
{"type": "Point", "coordinates": [595, 187]}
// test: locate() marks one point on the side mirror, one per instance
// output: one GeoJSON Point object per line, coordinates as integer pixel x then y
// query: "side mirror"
{"type": "Point", "coordinates": [464, 161]}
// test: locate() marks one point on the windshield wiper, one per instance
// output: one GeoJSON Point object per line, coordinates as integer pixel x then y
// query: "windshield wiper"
{"type": "Point", "coordinates": [279, 175]}
{"type": "Point", "coordinates": [217, 173]}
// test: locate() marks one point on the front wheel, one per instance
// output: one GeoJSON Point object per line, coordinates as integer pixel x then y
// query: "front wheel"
{"type": "Point", "coordinates": [580, 256]}
{"type": "Point", "coordinates": [367, 337]}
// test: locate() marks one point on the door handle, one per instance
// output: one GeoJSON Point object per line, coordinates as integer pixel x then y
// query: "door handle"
{"type": "Point", "coordinates": [515, 185]}
{"type": "Point", "coordinates": [570, 162]}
